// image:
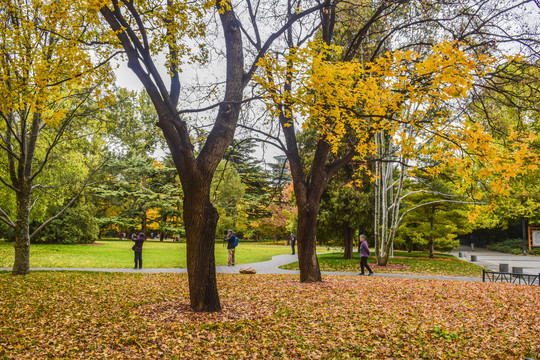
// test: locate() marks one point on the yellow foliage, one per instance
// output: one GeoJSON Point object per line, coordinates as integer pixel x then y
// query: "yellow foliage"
{"type": "Point", "coordinates": [404, 95]}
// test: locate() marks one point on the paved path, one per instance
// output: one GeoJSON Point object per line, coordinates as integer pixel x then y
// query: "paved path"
{"type": "Point", "coordinates": [486, 258]}
{"type": "Point", "coordinates": [491, 259]}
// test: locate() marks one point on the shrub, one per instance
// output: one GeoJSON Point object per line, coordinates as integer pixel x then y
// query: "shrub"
{"type": "Point", "coordinates": [509, 246]}
{"type": "Point", "coordinates": [76, 226]}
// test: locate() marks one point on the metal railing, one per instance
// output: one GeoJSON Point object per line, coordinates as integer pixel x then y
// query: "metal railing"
{"type": "Point", "coordinates": [515, 278]}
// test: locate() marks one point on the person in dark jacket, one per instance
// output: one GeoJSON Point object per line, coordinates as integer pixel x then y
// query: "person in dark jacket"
{"type": "Point", "coordinates": [364, 254]}
{"type": "Point", "coordinates": [137, 248]}
{"type": "Point", "coordinates": [230, 247]}
{"type": "Point", "coordinates": [293, 242]}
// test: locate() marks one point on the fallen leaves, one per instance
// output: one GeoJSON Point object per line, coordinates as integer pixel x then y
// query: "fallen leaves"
{"type": "Point", "coordinates": [180, 312]}
{"type": "Point", "coordinates": [133, 316]}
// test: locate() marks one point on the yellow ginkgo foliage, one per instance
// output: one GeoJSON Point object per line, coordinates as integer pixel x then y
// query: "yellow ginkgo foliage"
{"type": "Point", "coordinates": [399, 91]}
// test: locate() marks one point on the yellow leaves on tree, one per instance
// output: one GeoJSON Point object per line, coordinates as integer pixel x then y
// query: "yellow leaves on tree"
{"type": "Point", "coordinates": [404, 94]}
{"type": "Point", "coordinates": [42, 57]}
{"type": "Point", "coordinates": [344, 98]}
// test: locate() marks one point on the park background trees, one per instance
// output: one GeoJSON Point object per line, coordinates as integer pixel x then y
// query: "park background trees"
{"type": "Point", "coordinates": [48, 81]}
{"type": "Point", "coordinates": [385, 86]}
{"type": "Point", "coordinates": [334, 104]}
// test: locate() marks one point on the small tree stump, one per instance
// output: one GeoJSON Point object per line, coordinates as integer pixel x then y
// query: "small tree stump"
{"type": "Point", "coordinates": [247, 270]}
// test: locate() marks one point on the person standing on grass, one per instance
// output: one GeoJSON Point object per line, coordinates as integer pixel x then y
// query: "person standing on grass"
{"type": "Point", "coordinates": [364, 254]}
{"type": "Point", "coordinates": [137, 248]}
{"type": "Point", "coordinates": [293, 242]}
{"type": "Point", "coordinates": [230, 247]}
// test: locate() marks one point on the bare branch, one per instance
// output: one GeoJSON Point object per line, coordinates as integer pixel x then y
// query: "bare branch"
{"type": "Point", "coordinates": [34, 202]}
{"type": "Point", "coordinates": [438, 202]}
{"type": "Point", "coordinates": [6, 219]}
{"type": "Point", "coordinates": [86, 183]}
{"type": "Point", "coordinates": [8, 185]}
{"type": "Point", "coordinates": [217, 105]}
{"type": "Point", "coordinates": [279, 144]}
{"type": "Point", "coordinates": [262, 52]}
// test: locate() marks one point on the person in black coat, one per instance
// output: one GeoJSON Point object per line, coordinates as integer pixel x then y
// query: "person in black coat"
{"type": "Point", "coordinates": [137, 248]}
{"type": "Point", "coordinates": [230, 247]}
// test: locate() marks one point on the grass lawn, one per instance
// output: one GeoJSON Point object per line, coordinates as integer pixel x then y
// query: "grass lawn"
{"type": "Point", "coordinates": [402, 263]}
{"type": "Point", "coordinates": [118, 254]}
{"type": "Point", "coordinates": [73, 315]}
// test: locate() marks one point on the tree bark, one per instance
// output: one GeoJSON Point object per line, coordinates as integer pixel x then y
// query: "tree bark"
{"type": "Point", "coordinates": [195, 173]}
{"type": "Point", "coordinates": [432, 225]}
{"type": "Point", "coordinates": [21, 265]}
{"type": "Point", "coordinates": [201, 221]}
{"type": "Point", "coordinates": [307, 246]}
{"type": "Point", "coordinates": [348, 234]}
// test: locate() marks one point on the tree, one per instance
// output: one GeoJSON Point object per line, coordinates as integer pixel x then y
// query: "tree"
{"type": "Point", "coordinates": [508, 105]}
{"type": "Point", "coordinates": [433, 215]}
{"type": "Point", "coordinates": [142, 31]}
{"type": "Point", "coordinates": [45, 79]}
{"type": "Point", "coordinates": [346, 206]}
{"type": "Point", "coordinates": [348, 102]}
{"type": "Point", "coordinates": [135, 182]}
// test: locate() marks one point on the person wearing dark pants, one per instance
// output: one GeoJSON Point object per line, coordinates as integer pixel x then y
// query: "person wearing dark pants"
{"type": "Point", "coordinates": [137, 248]}
{"type": "Point", "coordinates": [293, 242]}
{"type": "Point", "coordinates": [364, 254]}
{"type": "Point", "coordinates": [138, 259]}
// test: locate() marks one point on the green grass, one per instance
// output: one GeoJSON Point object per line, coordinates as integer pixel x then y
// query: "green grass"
{"type": "Point", "coordinates": [402, 263]}
{"type": "Point", "coordinates": [118, 254]}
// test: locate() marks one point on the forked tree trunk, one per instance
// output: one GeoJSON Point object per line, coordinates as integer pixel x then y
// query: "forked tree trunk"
{"type": "Point", "coordinates": [382, 260]}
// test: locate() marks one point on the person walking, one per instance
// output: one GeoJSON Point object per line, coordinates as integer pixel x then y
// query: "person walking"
{"type": "Point", "coordinates": [137, 248]}
{"type": "Point", "coordinates": [293, 242]}
{"type": "Point", "coordinates": [231, 238]}
{"type": "Point", "coordinates": [364, 254]}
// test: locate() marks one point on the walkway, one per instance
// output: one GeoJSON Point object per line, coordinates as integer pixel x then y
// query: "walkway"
{"type": "Point", "coordinates": [491, 259]}
{"type": "Point", "coordinates": [486, 258]}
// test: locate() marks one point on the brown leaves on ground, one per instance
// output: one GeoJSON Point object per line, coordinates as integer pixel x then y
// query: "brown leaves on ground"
{"type": "Point", "coordinates": [147, 316]}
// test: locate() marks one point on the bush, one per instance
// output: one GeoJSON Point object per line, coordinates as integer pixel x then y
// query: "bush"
{"type": "Point", "coordinates": [509, 246]}
{"type": "Point", "coordinates": [76, 226]}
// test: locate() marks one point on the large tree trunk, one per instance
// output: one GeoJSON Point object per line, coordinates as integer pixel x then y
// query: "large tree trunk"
{"type": "Point", "coordinates": [21, 266]}
{"type": "Point", "coordinates": [201, 220]}
{"type": "Point", "coordinates": [348, 234]}
{"type": "Point", "coordinates": [307, 246]}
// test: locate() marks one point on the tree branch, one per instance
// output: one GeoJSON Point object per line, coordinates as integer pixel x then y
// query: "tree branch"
{"type": "Point", "coordinates": [217, 105]}
{"type": "Point", "coordinates": [262, 52]}
{"type": "Point", "coordinates": [438, 202]}
{"type": "Point", "coordinates": [86, 183]}
{"type": "Point", "coordinates": [6, 219]}
{"type": "Point", "coordinates": [8, 185]}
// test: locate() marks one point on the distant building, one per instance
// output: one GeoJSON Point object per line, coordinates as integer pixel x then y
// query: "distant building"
{"type": "Point", "coordinates": [281, 160]}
